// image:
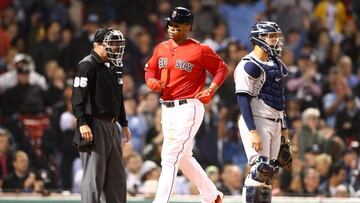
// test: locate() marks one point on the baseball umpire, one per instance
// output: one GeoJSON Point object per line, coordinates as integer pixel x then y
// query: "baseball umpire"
{"type": "Point", "coordinates": [259, 84]}
{"type": "Point", "coordinates": [177, 70]}
{"type": "Point", "coordinates": [98, 104]}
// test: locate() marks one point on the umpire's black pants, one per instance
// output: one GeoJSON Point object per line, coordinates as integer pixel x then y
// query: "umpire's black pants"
{"type": "Point", "coordinates": [103, 167]}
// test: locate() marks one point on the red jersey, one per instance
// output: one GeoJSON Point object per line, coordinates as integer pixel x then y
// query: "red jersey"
{"type": "Point", "coordinates": [187, 64]}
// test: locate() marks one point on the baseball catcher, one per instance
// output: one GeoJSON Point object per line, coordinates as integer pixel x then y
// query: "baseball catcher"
{"type": "Point", "coordinates": [259, 84]}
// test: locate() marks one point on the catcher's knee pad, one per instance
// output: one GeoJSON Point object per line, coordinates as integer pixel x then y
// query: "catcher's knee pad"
{"type": "Point", "coordinates": [256, 194]}
{"type": "Point", "coordinates": [262, 170]}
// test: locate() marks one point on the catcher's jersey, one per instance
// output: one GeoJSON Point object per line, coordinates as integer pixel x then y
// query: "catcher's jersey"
{"type": "Point", "coordinates": [267, 90]}
{"type": "Point", "coordinates": [187, 64]}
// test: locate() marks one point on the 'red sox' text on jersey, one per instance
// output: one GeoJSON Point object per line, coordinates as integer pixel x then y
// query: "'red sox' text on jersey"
{"type": "Point", "coordinates": [187, 65]}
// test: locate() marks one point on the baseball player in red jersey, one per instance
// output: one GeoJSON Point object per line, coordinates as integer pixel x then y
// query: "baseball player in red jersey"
{"type": "Point", "coordinates": [177, 70]}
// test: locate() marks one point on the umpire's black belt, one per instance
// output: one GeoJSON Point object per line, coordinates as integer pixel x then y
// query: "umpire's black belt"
{"type": "Point", "coordinates": [107, 118]}
{"type": "Point", "coordinates": [173, 103]}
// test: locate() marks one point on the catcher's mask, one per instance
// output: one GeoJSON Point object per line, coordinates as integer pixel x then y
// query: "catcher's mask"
{"type": "Point", "coordinates": [114, 43]}
{"type": "Point", "coordinates": [263, 32]}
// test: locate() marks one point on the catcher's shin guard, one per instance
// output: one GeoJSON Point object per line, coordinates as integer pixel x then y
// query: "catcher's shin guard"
{"type": "Point", "coordinates": [256, 194]}
{"type": "Point", "coordinates": [262, 170]}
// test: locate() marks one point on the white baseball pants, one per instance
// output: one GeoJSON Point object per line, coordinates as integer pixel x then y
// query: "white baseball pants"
{"type": "Point", "coordinates": [180, 124]}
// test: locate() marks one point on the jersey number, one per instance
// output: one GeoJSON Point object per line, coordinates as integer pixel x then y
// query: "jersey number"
{"type": "Point", "coordinates": [80, 82]}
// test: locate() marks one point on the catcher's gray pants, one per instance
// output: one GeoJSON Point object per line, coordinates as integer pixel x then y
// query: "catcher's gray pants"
{"type": "Point", "coordinates": [103, 167]}
{"type": "Point", "coordinates": [270, 133]}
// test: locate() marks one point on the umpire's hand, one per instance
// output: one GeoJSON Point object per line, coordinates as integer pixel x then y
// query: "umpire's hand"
{"type": "Point", "coordinates": [86, 133]}
{"type": "Point", "coordinates": [127, 134]}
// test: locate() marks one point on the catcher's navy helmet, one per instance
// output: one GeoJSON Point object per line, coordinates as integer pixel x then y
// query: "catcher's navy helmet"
{"type": "Point", "coordinates": [261, 30]}
{"type": "Point", "coordinates": [180, 15]}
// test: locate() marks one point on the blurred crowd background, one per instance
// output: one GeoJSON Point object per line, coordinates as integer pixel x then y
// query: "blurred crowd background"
{"type": "Point", "coordinates": [41, 43]}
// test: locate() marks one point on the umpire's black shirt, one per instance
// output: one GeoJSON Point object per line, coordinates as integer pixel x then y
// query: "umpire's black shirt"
{"type": "Point", "coordinates": [97, 91]}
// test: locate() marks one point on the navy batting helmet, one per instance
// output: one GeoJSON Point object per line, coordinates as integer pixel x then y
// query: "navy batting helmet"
{"type": "Point", "coordinates": [180, 15]}
{"type": "Point", "coordinates": [266, 29]}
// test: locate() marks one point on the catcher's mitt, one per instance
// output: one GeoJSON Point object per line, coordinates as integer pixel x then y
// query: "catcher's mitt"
{"type": "Point", "coordinates": [285, 156]}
